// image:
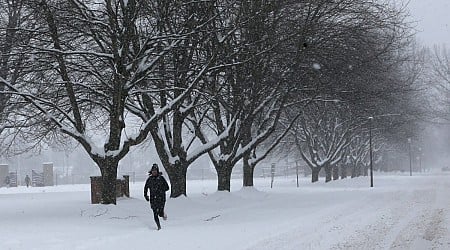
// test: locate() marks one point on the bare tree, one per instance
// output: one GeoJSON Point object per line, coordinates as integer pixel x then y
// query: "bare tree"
{"type": "Point", "coordinates": [192, 59]}
{"type": "Point", "coordinates": [359, 49]}
{"type": "Point", "coordinates": [13, 17]}
{"type": "Point", "coordinates": [322, 137]}
{"type": "Point", "coordinates": [95, 62]}
{"type": "Point", "coordinates": [247, 100]}
{"type": "Point", "coordinates": [440, 80]}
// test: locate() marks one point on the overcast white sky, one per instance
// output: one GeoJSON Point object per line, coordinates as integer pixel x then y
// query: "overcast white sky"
{"type": "Point", "coordinates": [433, 20]}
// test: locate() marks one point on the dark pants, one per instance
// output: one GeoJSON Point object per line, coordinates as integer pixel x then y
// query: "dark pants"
{"type": "Point", "coordinates": [158, 211]}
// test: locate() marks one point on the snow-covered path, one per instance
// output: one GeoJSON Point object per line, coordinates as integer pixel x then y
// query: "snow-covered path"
{"type": "Point", "coordinates": [412, 216]}
{"type": "Point", "coordinates": [400, 212]}
{"type": "Point", "coordinates": [415, 218]}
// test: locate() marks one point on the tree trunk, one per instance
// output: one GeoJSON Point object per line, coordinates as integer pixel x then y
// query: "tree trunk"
{"type": "Point", "coordinates": [358, 170]}
{"type": "Point", "coordinates": [248, 173]}
{"type": "Point", "coordinates": [335, 172]}
{"type": "Point", "coordinates": [177, 177]}
{"type": "Point", "coordinates": [247, 168]}
{"type": "Point", "coordinates": [224, 178]}
{"type": "Point", "coordinates": [365, 170]}
{"type": "Point", "coordinates": [343, 171]}
{"type": "Point", "coordinates": [108, 169]}
{"type": "Point", "coordinates": [354, 171]}
{"type": "Point", "coordinates": [315, 174]}
{"type": "Point", "coordinates": [328, 169]}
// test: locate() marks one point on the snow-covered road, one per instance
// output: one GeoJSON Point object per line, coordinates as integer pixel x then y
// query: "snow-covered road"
{"type": "Point", "coordinates": [409, 219]}
{"type": "Point", "coordinates": [413, 215]}
{"type": "Point", "coordinates": [400, 212]}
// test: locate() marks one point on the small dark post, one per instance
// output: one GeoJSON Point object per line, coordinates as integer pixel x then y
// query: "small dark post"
{"type": "Point", "coordinates": [420, 160]}
{"type": "Point", "coordinates": [410, 157]}
{"type": "Point", "coordinates": [272, 171]}
{"type": "Point", "coordinates": [370, 152]}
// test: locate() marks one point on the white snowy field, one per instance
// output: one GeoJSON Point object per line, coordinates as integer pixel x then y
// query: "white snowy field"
{"type": "Point", "coordinates": [400, 212]}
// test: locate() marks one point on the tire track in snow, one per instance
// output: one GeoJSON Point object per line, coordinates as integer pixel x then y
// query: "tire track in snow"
{"type": "Point", "coordinates": [430, 230]}
{"type": "Point", "coordinates": [404, 219]}
{"type": "Point", "coordinates": [385, 221]}
{"type": "Point", "coordinates": [408, 234]}
{"type": "Point", "coordinates": [328, 226]}
{"type": "Point", "coordinates": [418, 223]}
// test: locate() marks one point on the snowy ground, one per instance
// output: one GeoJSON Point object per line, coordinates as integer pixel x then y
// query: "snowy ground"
{"type": "Point", "coordinates": [400, 212]}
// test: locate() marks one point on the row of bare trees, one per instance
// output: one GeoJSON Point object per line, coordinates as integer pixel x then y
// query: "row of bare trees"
{"type": "Point", "coordinates": [231, 79]}
{"type": "Point", "coordinates": [373, 72]}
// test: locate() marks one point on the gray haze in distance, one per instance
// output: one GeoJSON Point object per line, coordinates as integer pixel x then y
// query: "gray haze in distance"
{"type": "Point", "coordinates": [433, 21]}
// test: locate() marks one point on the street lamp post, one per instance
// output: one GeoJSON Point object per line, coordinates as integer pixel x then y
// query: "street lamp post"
{"type": "Point", "coordinates": [420, 164]}
{"type": "Point", "coordinates": [370, 150]}
{"type": "Point", "coordinates": [347, 167]}
{"type": "Point", "coordinates": [420, 160]}
{"type": "Point", "coordinates": [410, 157]}
{"type": "Point", "coordinates": [370, 143]}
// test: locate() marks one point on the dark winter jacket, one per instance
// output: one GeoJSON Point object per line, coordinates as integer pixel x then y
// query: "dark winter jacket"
{"type": "Point", "coordinates": [157, 186]}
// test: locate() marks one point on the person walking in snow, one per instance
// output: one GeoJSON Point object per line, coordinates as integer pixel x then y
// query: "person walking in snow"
{"type": "Point", "coordinates": [27, 180]}
{"type": "Point", "coordinates": [157, 186]}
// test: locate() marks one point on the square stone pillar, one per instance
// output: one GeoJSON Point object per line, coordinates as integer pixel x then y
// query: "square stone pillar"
{"type": "Point", "coordinates": [48, 173]}
{"type": "Point", "coordinates": [4, 171]}
{"type": "Point", "coordinates": [96, 189]}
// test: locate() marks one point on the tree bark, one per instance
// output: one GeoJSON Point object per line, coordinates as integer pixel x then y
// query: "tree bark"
{"type": "Point", "coordinates": [354, 171]}
{"type": "Point", "coordinates": [365, 170]}
{"type": "Point", "coordinates": [8, 43]}
{"type": "Point", "coordinates": [315, 174]}
{"type": "Point", "coordinates": [344, 171]}
{"type": "Point", "coordinates": [108, 169]}
{"type": "Point", "coordinates": [224, 178]}
{"type": "Point", "coordinates": [177, 177]}
{"type": "Point", "coordinates": [358, 170]}
{"type": "Point", "coordinates": [328, 169]}
{"type": "Point", "coordinates": [336, 172]}
{"type": "Point", "coordinates": [248, 173]}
